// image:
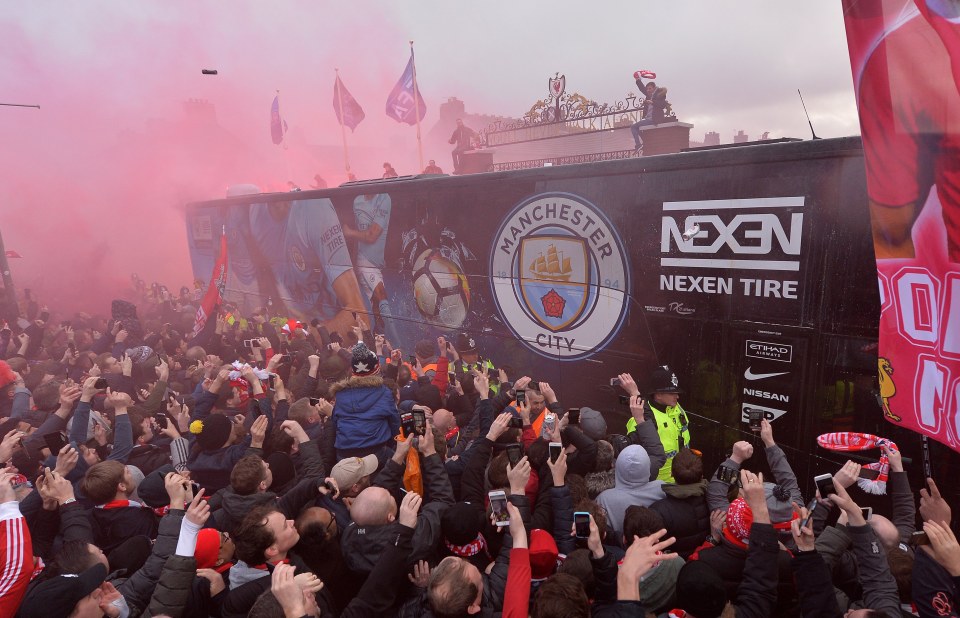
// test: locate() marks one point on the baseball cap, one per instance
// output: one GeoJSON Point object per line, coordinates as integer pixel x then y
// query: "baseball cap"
{"type": "Point", "coordinates": [59, 595]}
{"type": "Point", "coordinates": [349, 471]}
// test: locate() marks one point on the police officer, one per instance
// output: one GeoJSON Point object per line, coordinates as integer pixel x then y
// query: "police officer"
{"type": "Point", "coordinates": [468, 358]}
{"type": "Point", "coordinates": [663, 408]}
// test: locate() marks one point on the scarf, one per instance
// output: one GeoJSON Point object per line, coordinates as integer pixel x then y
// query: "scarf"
{"type": "Point", "coordinates": [848, 441]}
{"type": "Point", "coordinates": [472, 548]}
{"type": "Point", "coordinates": [121, 504]}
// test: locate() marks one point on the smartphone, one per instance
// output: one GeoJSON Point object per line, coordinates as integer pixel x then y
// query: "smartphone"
{"type": "Point", "coordinates": [514, 454]}
{"type": "Point", "coordinates": [407, 423]}
{"type": "Point", "coordinates": [521, 397]}
{"type": "Point", "coordinates": [65, 324]}
{"type": "Point", "coordinates": [251, 343]}
{"type": "Point", "coordinates": [100, 383]}
{"type": "Point", "coordinates": [272, 380]}
{"type": "Point", "coordinates": [728, 474]}
{"type": "Point", "coordinates": [452, 378]}
{"type": "Point", "coordinates": [919, 538]}
{"type": "Point", "coordinates": [573, 416]}
{"type": "Point", "coordinates": [824, 484]}
{"type": "Point", "coordinates": [555, 449]}
{"type": "Point", "coordinates": [498, 507]}
{"type": "Point", "coordinates": [624, 400]}
{"type": "Point", "coordinates": [867, 512]}
{"type": "Point", "coordinates": [286, 358]}
{"type": "Point", "coordinates": [614, 381]}
{"type": "Point", "coordinates": [493, 374]}
{"type": "Point", "coordinates": [55, 441]}
{"type": "Point", "coordinates": [314, 401]}
{"type": "Point", "coordinates": [403, 491]}
{"type": "Point", "coordinates": [419, 422]}
{"type": "Point", "coordinates": [161, 420]}
{"type": "Point", "coordinates": [810, 509]}
{"type": "Point", "coordinates": [754, 417]}
{"type": "Point", "coordinates": [412, 359]}
{"type": "Point", "coordinates": [581, 522]}
{"type": "Point", "coordinates": [869, 473]}
{"type": "Point", "coordinates": [71, 346]}
{"type": "Point", "coordinates": [515, 422]}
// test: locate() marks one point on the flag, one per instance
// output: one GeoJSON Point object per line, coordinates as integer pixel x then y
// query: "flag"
{"type": "Point", "coordinates": [342, 99]}
{"type": "Point", "coordinates": [905, 60]}
{"type": "Point", "coordinates": [401, 105]}
{"type": "Point", "coordinates": [278, 126]}
{"type": "Point", "coordinates": [13, 254]}
{"type": "Point", "coordinates": [214, 296]}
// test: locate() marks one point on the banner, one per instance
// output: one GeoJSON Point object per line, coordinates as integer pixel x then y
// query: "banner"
{"type": "Point", "coordinates": [214, 295]}
{"type": "Point", "coordinates": [904, 56]}
{"type": "Point", "coordinates": [348, 111]}
{"type": "Point", "coordinates": [278, 126]}
{"type": "Point", "coordinates": [401, 105]}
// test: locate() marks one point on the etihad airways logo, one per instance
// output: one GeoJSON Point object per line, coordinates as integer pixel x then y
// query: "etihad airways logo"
{"type": "Point", "coordinates": [739, 234]}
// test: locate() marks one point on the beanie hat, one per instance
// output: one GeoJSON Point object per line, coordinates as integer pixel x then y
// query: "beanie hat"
{"type": "Point", "coordinates": [151, 489]}
{"type": "Point", "coordinates": [282, 469]}
{"type": "Point", "coordinates": [466, 344]}
{"type": "Point", "coordinates": [739, 519]}
{"type": "Point", "coordinates": [140, 354]}
{"type": "Point", "coordinates": [429, 395]}
{"type": "Point", "coordinates": [208, 548]}
{"type": "Point", "coordinates": [543, 554]}
{"type": "Point", "coordinates": [461, 523]}
{"type": "Point", "coordinates": [424, 348]}
{"type": "Point", "coordinates": [212, 432]}
{"type": "Point", "coordinates": [592, 424]}
{"type": "Point", "coordinates": [779, 504]}
{"type": "Point", "coordinates": [700, 590]}
{"type": "Point", "coordinates": [364, 362]}
{"type": "Point", "coordinates": [855, 441]}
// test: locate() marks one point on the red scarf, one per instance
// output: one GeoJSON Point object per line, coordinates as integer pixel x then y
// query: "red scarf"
{"type": "Point", "coordinates": [121, 504]}
{"type": "Point", "coordinates": [265, 567]}
{"type": "Point", "coordinates": [472, 548]}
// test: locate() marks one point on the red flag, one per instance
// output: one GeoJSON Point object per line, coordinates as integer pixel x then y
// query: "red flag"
{"type": "Point", "coordinates": [905, 56]}
{"type": "Point", "coordinates": [214, 295]}
{"type": "Point", "coordinates": [13, 254]}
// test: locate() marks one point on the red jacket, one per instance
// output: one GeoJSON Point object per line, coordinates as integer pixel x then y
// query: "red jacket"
{"type": "Point", "coordinates": [516, 596]}
{"type": "Point", "coordinates": [16, 556]}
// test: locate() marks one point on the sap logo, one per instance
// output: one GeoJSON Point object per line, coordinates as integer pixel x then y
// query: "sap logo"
{"type": "Point", "coordinates": [753, 392]}
{"type": "Point", "coordinates": [757, 237]}
{"type": "Point", "coordinates": [771, 414]}
{"type": "Point", "coordinates": [779, 352]}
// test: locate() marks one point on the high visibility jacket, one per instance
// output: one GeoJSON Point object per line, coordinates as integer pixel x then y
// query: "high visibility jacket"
{"type": "Point", "coordinates": [674, 430]}
{"type": "Point", "coordinates": [483, 365]}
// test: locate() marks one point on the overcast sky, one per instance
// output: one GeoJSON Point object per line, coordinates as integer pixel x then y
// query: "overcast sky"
{"type": "Point", "coordinates": [104, 71]}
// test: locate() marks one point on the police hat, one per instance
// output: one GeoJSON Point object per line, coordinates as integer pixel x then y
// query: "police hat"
{"type": "Point", "coordinates": [664, 380]}
{"type": "Point", "coordinates": [466, 344]}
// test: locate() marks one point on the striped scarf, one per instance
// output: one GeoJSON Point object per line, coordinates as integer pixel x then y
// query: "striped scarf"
{"type": "Point", "coordinates": [848, 441]}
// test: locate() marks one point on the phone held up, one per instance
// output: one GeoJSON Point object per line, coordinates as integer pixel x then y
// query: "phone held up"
{"type": "Point", "coordinates": [498, 508]}
{"type": "Point", "coordinates": [555, 449]}
{"type": "Point", "coordinates": [514, 454]}
{"type": "Point", "coordinates": [824, 483]}
{"type": "Point", "coordinates": [581, 522]}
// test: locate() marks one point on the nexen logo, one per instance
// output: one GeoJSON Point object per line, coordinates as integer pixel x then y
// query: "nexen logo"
{"type": "Point", "coordinates": [744, 234]}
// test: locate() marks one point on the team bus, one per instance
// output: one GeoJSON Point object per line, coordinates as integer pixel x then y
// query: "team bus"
{"type": "Point", "coordinates": [749, 271]}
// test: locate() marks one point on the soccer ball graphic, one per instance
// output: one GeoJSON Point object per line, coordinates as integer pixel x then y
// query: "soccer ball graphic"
{"type": "Point", "coordinates": [440, 290]}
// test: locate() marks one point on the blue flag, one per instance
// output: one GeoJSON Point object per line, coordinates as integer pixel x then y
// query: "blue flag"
{"type": "Point", "coordinates": [352, 113]}
{"type": "Point", "coordinates": [401, 105]}
{"type": "Point", "coordinates": [278, 126]}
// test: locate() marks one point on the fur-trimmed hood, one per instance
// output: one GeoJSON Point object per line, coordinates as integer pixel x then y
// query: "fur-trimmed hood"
{"type": "Point", "coordinates": [357, 382]}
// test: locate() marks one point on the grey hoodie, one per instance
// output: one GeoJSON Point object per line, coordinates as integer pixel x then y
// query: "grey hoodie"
{"type": "Point", "coordinates": [633, 487]}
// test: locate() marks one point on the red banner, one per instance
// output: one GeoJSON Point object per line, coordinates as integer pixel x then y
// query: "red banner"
{"type": "Point", "coordinates": [905, 55]}
{"type": "Point", "coordinates": [214, 294]}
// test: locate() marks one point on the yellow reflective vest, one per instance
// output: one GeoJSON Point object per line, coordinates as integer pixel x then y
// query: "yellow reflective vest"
{"type": "Point", "coordinates": [673, 427]}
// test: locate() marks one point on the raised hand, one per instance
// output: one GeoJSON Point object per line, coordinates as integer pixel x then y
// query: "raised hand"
{"type": "Point", "coordinates": [409, 507]}
{"type": "Point", "coordinates": [932, 505]}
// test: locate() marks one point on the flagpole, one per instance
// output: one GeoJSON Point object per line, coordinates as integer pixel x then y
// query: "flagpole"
{"type": "Point", "coordinates": [283, 144]}
{"type": "Point", "coordinates": [416, 103]}
{"type": "Point", "coordinates": [343, 131]}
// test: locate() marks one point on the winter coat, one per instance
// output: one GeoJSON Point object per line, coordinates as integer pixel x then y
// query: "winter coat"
{"type": "Point", "coordinates": [173, 590]}
{"type": "Point", "coordinates": [363, 546]}
{"type": "Point", "coordinates": [365, 413]}
{"type": "Point", "coordinates": [138, 588]}
{"type": "Point", "coordinates": [232, 507]}
{"type": "Point", "coordinates": [685, 515]}
{"type": "Point", "coordinates": [113, 526]}
{"type": "Point", "coordinates": [633, 486]}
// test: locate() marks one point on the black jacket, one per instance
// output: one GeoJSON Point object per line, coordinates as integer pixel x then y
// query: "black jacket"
{"type": "Point", "coordinates": [111, 527]}
{"type": "Point", "coordinates": [685, 515]}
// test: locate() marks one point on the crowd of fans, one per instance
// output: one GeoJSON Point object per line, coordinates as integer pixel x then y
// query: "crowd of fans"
{"type": "Point", "coordinates": [271, 469]}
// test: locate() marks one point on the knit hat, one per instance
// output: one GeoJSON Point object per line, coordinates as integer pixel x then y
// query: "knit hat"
{"type": "Point", "coordinates": [58, 595]}
{"type": "Point", "coordinates": [466, 344]}
{"type": "Point", "coordinates": [461, 523]}
{"type": "Point", "coordinates": [151, 489]}
{"type": "Point", "coordinates": [700, 590]}
{"type": "Point", "coordinates": [349, 471]}
{"type": "Point", "coordinates": [429, 395]}
{"type": "Point", "coordinates": [282, 469]}
{"type": "Point", "coordinates": [208, 548]}
{"type": "Point", "coordinates": [779, 504]}
{"type": "Point", "coordinates": [855, 441]}
{"type": "Point", "coordinates": [364, 362]}
{"type": "Point", "coordinates": [592, 424]}
{"type": "Point", "coordinates": [424, 348]}
{"type": "Point", "coordinates": [140, 354]}
{"type": "Point", "coordinates": [739, 519]}
{"type": "Point", "coordinates": [212, 432]}
{"type": "Point", "coordinates": [543, 554]}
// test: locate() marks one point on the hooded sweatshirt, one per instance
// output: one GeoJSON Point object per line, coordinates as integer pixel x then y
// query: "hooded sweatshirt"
{"type": "Point", "coordinates": [633, 486]}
